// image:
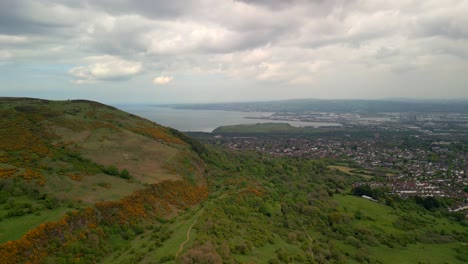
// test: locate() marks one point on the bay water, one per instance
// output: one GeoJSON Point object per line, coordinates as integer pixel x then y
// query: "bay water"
{"type": "Point", "coordinates": [206, 120]}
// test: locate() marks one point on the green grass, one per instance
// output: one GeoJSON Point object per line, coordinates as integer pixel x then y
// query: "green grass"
{"type": "Point", "coordinates": [13, 228]}
{"type": "Point", "coordinates": [417, 253]}
{"type": "Point", "coordinates": [349, 170]}
{"type": "Point", "coordinates": [382, 215]}
{"type": "Point", "coordinates": [382, 218]}
{"type": "Point", "coordinates": [171, 246]}
{"type": "Point", "coordinates": [348, 249]}
{"type": "Point", "coordinates": [142, 246]}
{"type": "Point", "coordinates": [92, 185]}
{"type": "Point", "coordinates": [264, 254]}
{"type": "Point", "coordinates": [414, 253]}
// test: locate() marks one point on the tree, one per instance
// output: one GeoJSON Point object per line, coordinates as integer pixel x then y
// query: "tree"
{"type": "Point", "coordinates": [431, 202]}
{"type": "Point", "coordinates": [363, 190]}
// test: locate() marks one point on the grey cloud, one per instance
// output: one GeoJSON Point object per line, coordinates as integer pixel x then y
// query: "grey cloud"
{"type": "Point", "coordinates": [295, 38]}
{"type": "Point", "coordinates": [13, 19]}
{"type": "Point", "coordinates": [323, 6]}
{"type": "Point", "coordinates": [273, 4]}
{"type": "Point", "coordinates": [152, 8]}
{"type": "Point", "coordinates": [448, 27]}
{"type": "Point", "coordinates": [385, 52]}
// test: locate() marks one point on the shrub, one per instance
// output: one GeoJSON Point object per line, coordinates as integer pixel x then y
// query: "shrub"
{"type": "Point", "coordinates": [125, 174]}
{"type": "Point", "coordinates": [166, 259]}
{"type": "Point", "coordinates": [111, 170]}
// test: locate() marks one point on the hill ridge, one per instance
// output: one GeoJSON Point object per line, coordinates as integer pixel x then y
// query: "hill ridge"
{"type": "Point", "coordinates": [65, 155]}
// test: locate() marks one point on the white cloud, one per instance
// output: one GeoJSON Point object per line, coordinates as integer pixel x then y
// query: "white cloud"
{"type": "Point", "coordinates": [106, 68]}
{"type": "Point", "coordinates": [11, 39]}
{"type": "Point", "coordinates": [4, 55]}
{"type": "Point", "coordinates": [161, 80]}
{"type": "Point", "coordinates": [259, 43]}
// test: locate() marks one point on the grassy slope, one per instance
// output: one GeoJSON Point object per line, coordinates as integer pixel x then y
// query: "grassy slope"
{"type": "Point", "coordinates": [383, 219]}
{"type": "Point", "coordinates": [143, 246]}
{"type": "Point", "coordinates": [264, 254]}
{"type": "Point", "coordinates": [14, 228]}
{"type": "Point", "coordinates": [179, 235]}
{"type": "Point", "coordinates": [235, 214]}
{"type": "Point", "coordinates": [65, 142]}
{"type": "Point", "coordinates": [384, 216]}
{"type": "Point", "coordinates": [90, 189]}
{"type": "Point", "coordinates": [418, 253]}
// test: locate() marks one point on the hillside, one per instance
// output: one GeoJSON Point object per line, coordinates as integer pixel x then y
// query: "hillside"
{"type": "Point", "coordinates": [83, 182]}
{"type": "Point", "coordinates": [59, 156]}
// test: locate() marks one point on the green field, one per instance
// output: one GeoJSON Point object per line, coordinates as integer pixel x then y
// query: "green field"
{"type": "Point", "coordinates": [418, 253]}
{"type": "Point", "coordinates": [382, 219]}
{"type": "Point", "coordinates": [13, 228]}
{"type": "Point", "coordinates": [349, 171]}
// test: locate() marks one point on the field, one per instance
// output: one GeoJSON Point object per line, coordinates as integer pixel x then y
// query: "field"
{"type": "Point", "coordinates": [383, 219]}
{"type": "Point", "coordinates": [418, 253]}
{"type": "Point", "coordinates": [14, 228]}
{"type": "Point", "coordinates": [349, 171]}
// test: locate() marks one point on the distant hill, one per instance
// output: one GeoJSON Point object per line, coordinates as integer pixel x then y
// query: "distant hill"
{"type": "Point", "coordinates": [339, 106]}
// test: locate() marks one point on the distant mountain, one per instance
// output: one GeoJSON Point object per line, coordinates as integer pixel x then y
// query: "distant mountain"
{"type": "Point", "coordinates": [340, 106]}
{"type": "Point", "coordinates": [415, 100]}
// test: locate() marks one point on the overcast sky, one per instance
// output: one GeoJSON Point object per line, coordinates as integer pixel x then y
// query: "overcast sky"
{"type": "Point", "coordinates": [161, 51]}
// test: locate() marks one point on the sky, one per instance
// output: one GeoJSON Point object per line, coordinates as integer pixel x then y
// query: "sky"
{"type": "Point", "coordinates": [158, 51]}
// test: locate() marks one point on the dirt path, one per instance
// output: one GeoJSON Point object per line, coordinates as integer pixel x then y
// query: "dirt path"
{"type": "Point", "coordinates": [307, 234]}
{"type": "Point", "coordinates": [188, 233]}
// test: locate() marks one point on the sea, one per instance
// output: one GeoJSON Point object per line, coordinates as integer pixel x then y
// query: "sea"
{"type": "Point", "coordinates": [188, 120]}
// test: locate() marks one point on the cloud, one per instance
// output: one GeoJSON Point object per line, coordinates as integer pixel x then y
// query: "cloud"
{"type": "Point", "coordinates": [106, 68]}
{"type": "Point", "coordinates": [295, 43]}
{"type": "Point", "coordinates": [161, 80]}
{"type": "Point", "coordinates": [11, 39]}
{"type": "Point", "coordinates": [155, 9]}
{"type": "Point", "coordinates": [4, 55]}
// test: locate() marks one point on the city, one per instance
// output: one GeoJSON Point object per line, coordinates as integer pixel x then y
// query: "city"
{"type": "Point", "coordinates": [406, 159]}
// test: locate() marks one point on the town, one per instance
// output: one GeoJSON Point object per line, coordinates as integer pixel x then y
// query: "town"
{"type": "Point", "coordinates": [427, 123]}
{"type": "Point", "coordinates": [405, 164]}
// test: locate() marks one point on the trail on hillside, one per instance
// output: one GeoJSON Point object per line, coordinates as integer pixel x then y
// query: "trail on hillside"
{"type": "Point", "coordinates": [188, 233]}
{"type": "Point", "coordinates": [307, 234]}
